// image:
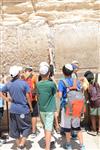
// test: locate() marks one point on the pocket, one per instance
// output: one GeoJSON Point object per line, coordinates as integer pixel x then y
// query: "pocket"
{"type": "Point", "coordinates": [28, 118]}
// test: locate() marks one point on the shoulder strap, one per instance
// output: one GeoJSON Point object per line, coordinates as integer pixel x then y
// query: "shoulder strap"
{"type": "Point", "coordinates": [65, 83]}
{"type": "Point", "coordinates": [74, 87]}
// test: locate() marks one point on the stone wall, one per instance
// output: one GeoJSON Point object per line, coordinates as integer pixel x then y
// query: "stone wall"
{"type": "Point", "coordinates": [78, 41]}
{"type": "Point", "coordinates": [27, 26]}
{"type": "Point", "coordinates": [24, 45]}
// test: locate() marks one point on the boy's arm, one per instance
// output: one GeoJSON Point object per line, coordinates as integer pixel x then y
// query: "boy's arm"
{"type": "Point", "coordinates": [60, 89]}
{"type": "Point", "coordinates": [29, 102]}
{"type": "Point", "coordinates": [7, 99]}
{"type": "Point", "coordinates": [59, 94]}
{"type": "Point", "coordinates": [27, 90]}
{"type": "Point", "coordinates": [37, 92]}
{"type": "Point", "coordinates": [34, 81]}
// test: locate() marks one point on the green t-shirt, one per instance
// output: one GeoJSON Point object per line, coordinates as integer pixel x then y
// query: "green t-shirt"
{"type": "Point", "coordinates": [46, 91]}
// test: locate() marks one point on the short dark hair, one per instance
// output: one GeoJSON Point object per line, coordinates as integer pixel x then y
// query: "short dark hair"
{"type": "Point", "coordinates": [89, 75]}
{"type": "Point", "coordinates": [66, 71]}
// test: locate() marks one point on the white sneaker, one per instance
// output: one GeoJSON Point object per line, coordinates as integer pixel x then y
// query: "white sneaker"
{"type": "Point", "coordinates": [2, 142]}
{"type": "Point", "coordinates": [94, 133]}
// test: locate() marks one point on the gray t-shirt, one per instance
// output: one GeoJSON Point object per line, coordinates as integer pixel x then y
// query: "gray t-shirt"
{"type": "Point", "coordinates": [17, 90]}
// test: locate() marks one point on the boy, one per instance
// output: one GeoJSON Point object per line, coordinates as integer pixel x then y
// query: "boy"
{"type": "Point", "coordinates": [51, 78]}
{"type": "Point", "coordinates": [46, 91]}
{"type": "Point", "coordinates": [93, 105]}
{"type": "Point", "coordinates": [20, 121]}
{"type": "Point", "coordinates": [31, 79]}
{"type": "Point", "coordinates": [69, 121]}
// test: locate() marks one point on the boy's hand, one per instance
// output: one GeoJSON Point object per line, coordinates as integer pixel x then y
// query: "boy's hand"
{"type": "Point", "coordinates": [31, 110]}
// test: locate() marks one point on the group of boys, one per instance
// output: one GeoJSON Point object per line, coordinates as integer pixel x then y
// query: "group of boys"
{"type": "Point", "coordinates": [30, 98]}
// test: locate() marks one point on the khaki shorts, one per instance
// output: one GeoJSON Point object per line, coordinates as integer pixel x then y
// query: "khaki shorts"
{"type": "Point", "coordinates": [95, 111]}
{"type": "Point", "coordinates": [47, 119]}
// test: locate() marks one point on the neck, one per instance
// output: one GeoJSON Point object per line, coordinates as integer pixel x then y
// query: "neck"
{"type": "Point", "coordinates": [45, 78]}
{"type": "Point", "coordinates": [67, 76]}
{"type": "Point", "coordinates": [15, 78]}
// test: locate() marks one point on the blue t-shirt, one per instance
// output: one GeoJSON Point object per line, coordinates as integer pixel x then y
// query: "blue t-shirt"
{"type": "Point", "coordinates": [63, 90]}
{"type": "Point", "coordinates": [17, 90]}
{"type": "Point", "coordinates": [1, 100]}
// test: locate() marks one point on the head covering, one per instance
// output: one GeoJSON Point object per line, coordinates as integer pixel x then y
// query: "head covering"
{"type": "Point", "coordinates": [14, 71]}
{"type": "Point", "coordinates": [75, 67]}
{"type": "Point", "coordinates": [69, 67]}
{"type": "Point", "coordinates": [44, 70]}
{"type": "Point", "coordinates": [29, 68]}
{"type": "Point", "coordinates": [75, 62]}
{"type": "Point", "coordinates": [44, 64]}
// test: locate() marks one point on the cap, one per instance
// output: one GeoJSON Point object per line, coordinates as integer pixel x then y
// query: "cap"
{"type": "Point", "coordinates": [44, 64]}
{"type": "Point", "coordinates": [69, 67]}
{"type": "Point", "coordinates": [43, 70]}
{"type": "Point", "coordinates": [28, 68]}
{"type": "Point", "coordinates": [75, 67]}
{"type": "Point", "coordinates": [14, 71]}
{"type": "Point", "coordinates": [75, 62]}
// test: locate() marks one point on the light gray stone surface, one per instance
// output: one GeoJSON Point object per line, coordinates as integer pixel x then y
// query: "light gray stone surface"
{"type": "Point", "coordinates": [91, 142]}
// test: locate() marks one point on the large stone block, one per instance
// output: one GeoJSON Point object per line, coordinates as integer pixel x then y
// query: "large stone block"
{"type": "Point", "coordinates": [77, 41]}
{"type": "Point", "coordinates": [25, 45]}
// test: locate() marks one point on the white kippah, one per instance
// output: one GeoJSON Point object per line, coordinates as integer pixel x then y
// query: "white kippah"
{"type": "Point", "coordinates": [14, 71]}
{"type": "Point", "coordinates": [69, 67]}
{"type": "Point", "coordinates": [43, 70]}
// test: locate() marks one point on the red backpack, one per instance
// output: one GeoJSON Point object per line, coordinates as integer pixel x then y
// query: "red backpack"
{"type": "Point", "coordinates": [94, 95]}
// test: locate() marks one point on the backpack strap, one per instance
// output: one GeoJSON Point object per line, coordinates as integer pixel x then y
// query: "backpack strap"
{"type": "Point", "coordinates": [74, 87]}
{"type": "Point", "coordinates": [65, 83]}
{"type": "Point", "coordinates": [68, 104]}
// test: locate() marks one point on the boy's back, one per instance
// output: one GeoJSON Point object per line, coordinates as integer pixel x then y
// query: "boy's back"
{"type": "Point", "coordinates": [46, 95]}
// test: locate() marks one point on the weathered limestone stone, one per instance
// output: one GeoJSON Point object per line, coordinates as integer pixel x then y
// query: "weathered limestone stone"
{"type": "Point", "coordinates": [24, 45]}
{"type": "Point", "coordinates": [77, 41]}
{"type": "Point", "coordinates": [28, 28]}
